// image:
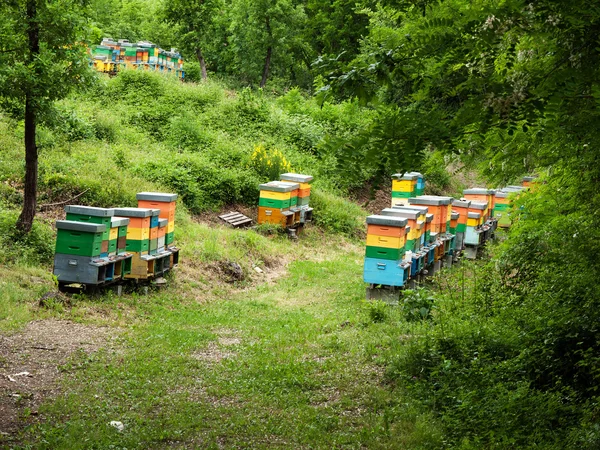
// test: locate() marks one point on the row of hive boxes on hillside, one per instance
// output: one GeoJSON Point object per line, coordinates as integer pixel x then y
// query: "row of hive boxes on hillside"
{"type": "Point", "coordinates": [407, 185]}
{"type": "Point", "coordinates": [392, 262]}
{"type": "Point", "coordinates": [111, 56]}
{"type": "Point", "coordinates": [92, 238]}
{"type": "Point", "coordinates": [285, 202]}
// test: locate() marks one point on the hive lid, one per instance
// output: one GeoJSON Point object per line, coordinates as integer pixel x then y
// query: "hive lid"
{"type": "Point", "coordinates": [279, 186]}
{"type": "Point", "coordinates": [422, 209]}
{"type": "Point", "coordinates": [163, 222]}
{"type": "Point", "coordinates": [530, 178]}
{"type": "Point", "coordinates": [80, 226]}
{"type": "Point", "coordinates": [119, 222]}
{"type": "Point", "coordinates": [134, 212]}
{"type": "Point", "coordinates": [477, 191]}
{"type": "Point", "coordinates": [389, 221]}
{"type": "Point", "coordinates": [418, 174]}
{"type": "Point", "coordinates": [479, 205]}
{"type": "Point", "coordinates": [155, 212]}
{"type": "Point", "coordinates": [513, 188]}
{"type": "Point", "coordinates": [398, 212]}
{"type": "Point", "coordinates": [406, 176]}
{"type": "Point", "coordinates": [429, 218]}
{"type": "Point", "coordinates": [501, 193]}
{"type": "Point", "coordinates": [156, 197]}
{"type": "Point", "coordinates": [462, 203]}
{"type": "Point", "coordinates": [454, 215]}
{"type": "Point", "coordinates": [474, 215]}
{"type": "Point", "coordinates": [433, 200]}
{"type": "Point", "coordinates": [296, 177]}
{"type": "Point", "coordinates": [90, 210]}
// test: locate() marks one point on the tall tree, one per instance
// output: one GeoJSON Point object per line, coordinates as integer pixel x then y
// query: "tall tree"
{"type": "Point", "coordinates": [42, 57]}
{"type": "Point", "coordinates": [194, 20]}
{"type": "Point", "coordinates": [265, 33]}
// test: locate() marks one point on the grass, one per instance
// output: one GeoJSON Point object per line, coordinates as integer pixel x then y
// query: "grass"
{"type": "Point", "coordinates": [294, 363]}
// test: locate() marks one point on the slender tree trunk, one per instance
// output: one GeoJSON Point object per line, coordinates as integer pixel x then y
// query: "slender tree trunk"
{"type": "Point", "coordinates": [266, 68]}
{"type": "Point", "coordinates": [25, 221]}
{"type": "Point", "coordinates": [268, 57]}
{"type": "Point", "coordinates": [202, 62]}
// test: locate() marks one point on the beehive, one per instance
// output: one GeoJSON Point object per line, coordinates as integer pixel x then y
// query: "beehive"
{"type": "Point", "coordinates": [414, 252]}
{"type": "Point", "coordinates": [526, 182]}
{"type": "Point", "coordinates": [303, 194]}
{"type": "Point", "coordinates": [473, 235]}
{"type": "Point", "coordinates": [404, 186]}
{"type": "Point", "coordinates": [89, 214]}
{"type": "Point", "coordinates": [275, 201]}
{"type": "Point", "coordinates": [77, 258]}
{"type": "Point", "coordinates": [119, 224]}
{"type": "Point", "coordinates": [439, 206]}
{"type": "Point", "coordinates": [502, 208]}
{"type": "Point", "coordinates": [462, 208]}
{"type": "Point", "coordinates": [481, 195]}
{"type": "Point", "coordinates": [386, 238]}
{"type": "Point", "coordinates": [412, 217]}
{"type": "Point", "coordinates": [166, 204]}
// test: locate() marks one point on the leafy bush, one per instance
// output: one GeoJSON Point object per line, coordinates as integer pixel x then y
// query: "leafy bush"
{"type": "Point", "coordinates": [269, 164]}
{"type": "Point", "coordinates": [337, 215]}
{"type": "Point", "coordinates": [201, 184]}
{"type": "Point", "coordinates": [184, 132]}
{"type": "Point", "coordinates": [34, 248]}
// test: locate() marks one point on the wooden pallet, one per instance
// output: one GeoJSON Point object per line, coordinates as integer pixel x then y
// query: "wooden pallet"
{"type": "Point", "coordinates": [236, 219]}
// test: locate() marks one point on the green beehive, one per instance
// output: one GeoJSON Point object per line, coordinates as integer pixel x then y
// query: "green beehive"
{"type": "Point", "coordinates": [89, 214]}
{"type": "Point", "coordinates": [77, 238]}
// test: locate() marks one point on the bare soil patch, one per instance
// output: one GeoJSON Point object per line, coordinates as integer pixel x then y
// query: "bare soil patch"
{"type": "Point", "coordinates": [30, 364]}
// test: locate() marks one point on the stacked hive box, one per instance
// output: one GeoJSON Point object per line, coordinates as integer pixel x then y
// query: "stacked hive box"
{"type": "Point", "coordinates": [416, 218]}
{"type": "Point", "coordinates": [528, 180]}
{"type": "Point", "coordinates": [482, 195]}
{"type": "Point", "coordinates": [166, 205]}
{"type": "Point", "coordinates": [404, 186]}
{"type": "Point", "coordinates": [275, 202]}
{"type": "Point", "coordinates": [144, 263]}
{"type": "Point", "coordinates": [302, 203]}
{"type": "Point", "coordinates": [476, 233]}
{"type": "Point", "coordinates": [118, 235]}
{"type": "Point", "coordinates": [86, 248]}
{"type": "Point", "coordinates": [462, 208]}
{"type": "Point", "coordinates": [386, 238]}
{"type": "Point", "coordinates": [441, 208]}
{"type": "Point", "coordinates": [502, 208]}
{"type": "Point", "coordinates": [89, 214]}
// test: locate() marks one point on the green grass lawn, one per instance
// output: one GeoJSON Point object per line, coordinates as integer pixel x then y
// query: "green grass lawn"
{"type": "Point", "coordinates": [294, 363]}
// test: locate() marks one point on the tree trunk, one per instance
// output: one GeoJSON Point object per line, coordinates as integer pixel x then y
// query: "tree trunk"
{"type": "Point", "coordinates": [25, 221]}
{"type": "Point", "coordinates": [269, 52]}
{"type": "Point", "coordinates": [202, 62]}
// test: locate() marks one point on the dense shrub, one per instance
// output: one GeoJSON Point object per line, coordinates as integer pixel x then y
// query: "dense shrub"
{"type": "Point", "coordinates": [337, 215]}
{"type": "Point", "coordinates": [34, 248]}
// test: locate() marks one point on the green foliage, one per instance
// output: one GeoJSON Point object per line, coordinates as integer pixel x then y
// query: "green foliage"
{"type": "Point", "coordinates": [32, 249]}
{"type": "Point", "coordinates": [378, 311]}
{"type": "Point", "coordinates": [336, 215]}
{"type": "Point", "coordinates": [269, 164]}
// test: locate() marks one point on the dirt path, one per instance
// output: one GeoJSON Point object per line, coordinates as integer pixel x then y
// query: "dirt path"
{"type": "Point", "coordinates": [30, 367]}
